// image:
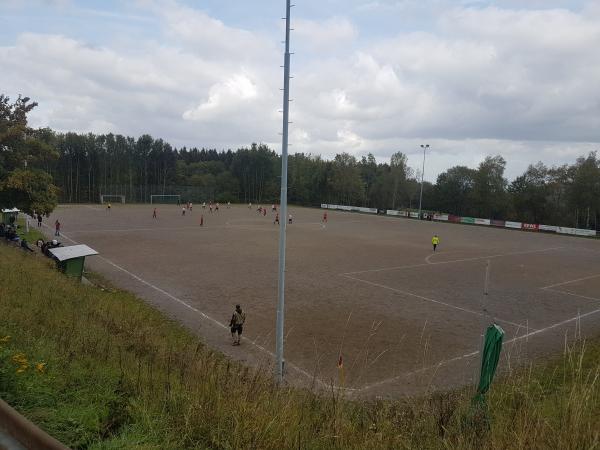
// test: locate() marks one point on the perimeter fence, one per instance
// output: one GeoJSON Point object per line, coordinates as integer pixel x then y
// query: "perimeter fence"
{"type": "Point", "coordinates": [444, 217]}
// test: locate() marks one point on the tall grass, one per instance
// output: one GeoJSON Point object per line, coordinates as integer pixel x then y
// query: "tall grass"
{"type": "Point", "coordinates": [34, 233]}
{"type": "Point", "coordinates": [118, 374]}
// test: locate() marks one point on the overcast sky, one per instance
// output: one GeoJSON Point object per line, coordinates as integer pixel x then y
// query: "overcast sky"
{"type": "Point", "coordinates": [520, 78]}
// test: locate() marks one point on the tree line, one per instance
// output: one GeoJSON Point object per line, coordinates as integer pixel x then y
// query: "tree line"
{"type": "Point", "coordinates": [83, 166]}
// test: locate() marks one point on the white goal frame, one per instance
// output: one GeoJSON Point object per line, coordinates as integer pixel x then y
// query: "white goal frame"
{"type": "Point", "coordinates": [103, 197]}
{"type": "Point", "coordinates": [164, 195]}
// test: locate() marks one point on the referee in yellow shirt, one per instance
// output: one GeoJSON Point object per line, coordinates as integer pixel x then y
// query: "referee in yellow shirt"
{"type": "Point", "coordinates": [435, 240]}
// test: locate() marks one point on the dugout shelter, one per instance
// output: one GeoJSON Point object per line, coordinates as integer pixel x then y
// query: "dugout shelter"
{"type": "Point", "coordinates": [70, 260]}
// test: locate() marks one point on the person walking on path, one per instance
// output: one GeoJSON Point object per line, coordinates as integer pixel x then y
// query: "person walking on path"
{"type": "Point", "coordinates": [237, 324]}
{"type": "Point", "coordinates": [435, 240]}
{"type": "Point", "coordinates": [154, 214]}
{"type": "Point", "coordinates": [324, 217]}
{"type": "Point", "coordinates": [39, 219]}
{"type": "Point", "coordinates": [57, 228]}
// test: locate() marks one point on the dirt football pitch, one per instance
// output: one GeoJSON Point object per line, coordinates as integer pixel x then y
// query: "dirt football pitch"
{"type": "Point", "coordinates": [369, 288]}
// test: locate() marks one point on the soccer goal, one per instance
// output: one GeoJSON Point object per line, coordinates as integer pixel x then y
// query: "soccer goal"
{"type": "Point", "coordinates": [111, 198]}
{"type": "Point", "coordinates": [170, 199]}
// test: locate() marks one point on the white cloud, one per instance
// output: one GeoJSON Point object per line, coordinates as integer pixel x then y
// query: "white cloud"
{"type": "Point", "coordinates": [481, 82]}
{"type": "Point", "coordinates": [485, 80]}
{"type": "Point", "coordinates": [225, 97]}
{"type": "Point", "coordinates": [209, 37]}
{"type": "Point", "coordinates": [349, 139]}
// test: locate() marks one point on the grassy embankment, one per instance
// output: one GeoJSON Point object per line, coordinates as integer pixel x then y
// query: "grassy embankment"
{"type": "Point", "coordinates": [100, 369]}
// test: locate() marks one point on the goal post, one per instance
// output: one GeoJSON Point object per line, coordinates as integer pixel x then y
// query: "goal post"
{"type": "Point", "coordinates": [170, 199]}
{"type": "Point", "coordinates": [105, 198]}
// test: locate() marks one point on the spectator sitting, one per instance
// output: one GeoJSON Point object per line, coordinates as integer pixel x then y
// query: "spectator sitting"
{"type": "Point", "coordinates": [11, 234]}
{"type": "Point", "coordinates": [49, 245]}
{"type": "Point", "coordinates": [25, 245]}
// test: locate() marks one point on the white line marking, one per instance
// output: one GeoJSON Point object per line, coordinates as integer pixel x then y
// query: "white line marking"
{"type": "Point", "coordinates": [572, 281]}
{"type": "Point", "coordinates": [469, 355]}
{"type": "Point", "coordinates": [428, 258]}
{"type": "Point", "coordinates": [416, 372]}
{"type": "Point", "coordinates": [209, 318]}
{"type": "Point", "coordinates": [571, 293]}
{"type": "Point", "coordinates": [452, 261]}
{"type": "Point", "coordinates": [398, 291]}
{"type": "Point", "coordinates": [167, 294]}
{"type": "Point", "coordinates": [203, 315]}
{"type": "Point", "coordinates": [564, 322]}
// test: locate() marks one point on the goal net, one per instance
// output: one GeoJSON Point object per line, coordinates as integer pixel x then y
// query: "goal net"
{"type": "Point", "coordinates": [111, 198]}
{"type": "Point", "coordinates": [170, 199]}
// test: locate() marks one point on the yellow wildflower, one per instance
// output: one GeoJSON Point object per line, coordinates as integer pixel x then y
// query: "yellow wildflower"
{"type": "Point", "coordinates": [20, 358]}
{"type": "Point", "coordinates": [4, 340]}
{"type": "Point", "coordinates": [40, 367]}
{"type": "Point", "coordinates": [23, 368]}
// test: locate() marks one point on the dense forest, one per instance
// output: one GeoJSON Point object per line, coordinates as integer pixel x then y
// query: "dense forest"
{"type": "Point", "coordinates": [83, 166]}
{"type": "Point", "coordinates": [89, 165]}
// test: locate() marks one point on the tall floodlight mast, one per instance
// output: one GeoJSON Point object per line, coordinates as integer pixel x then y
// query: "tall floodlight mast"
{"type": "Point", "coordinates": [283, 200]}
{"type": "Point", "coordinates": [424, 147]}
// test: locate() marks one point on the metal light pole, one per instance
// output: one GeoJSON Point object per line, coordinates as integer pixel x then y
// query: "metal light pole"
{"type": "Point", "coordinates": [424, 147]}
{"type": "Point", "coordinates": [283, 200]}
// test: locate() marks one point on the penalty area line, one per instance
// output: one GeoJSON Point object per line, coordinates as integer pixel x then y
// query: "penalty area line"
{"type": "Point", "coordinates": [476, 258]}
{"type": "Point", "coordinates": [571, 281]}
{"type": "Point", "coordinates": [427, 299]}
{"type": "Point", "coordinates": [476, 352]}
{"type": "Point", "coordinates": [572, 294]}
